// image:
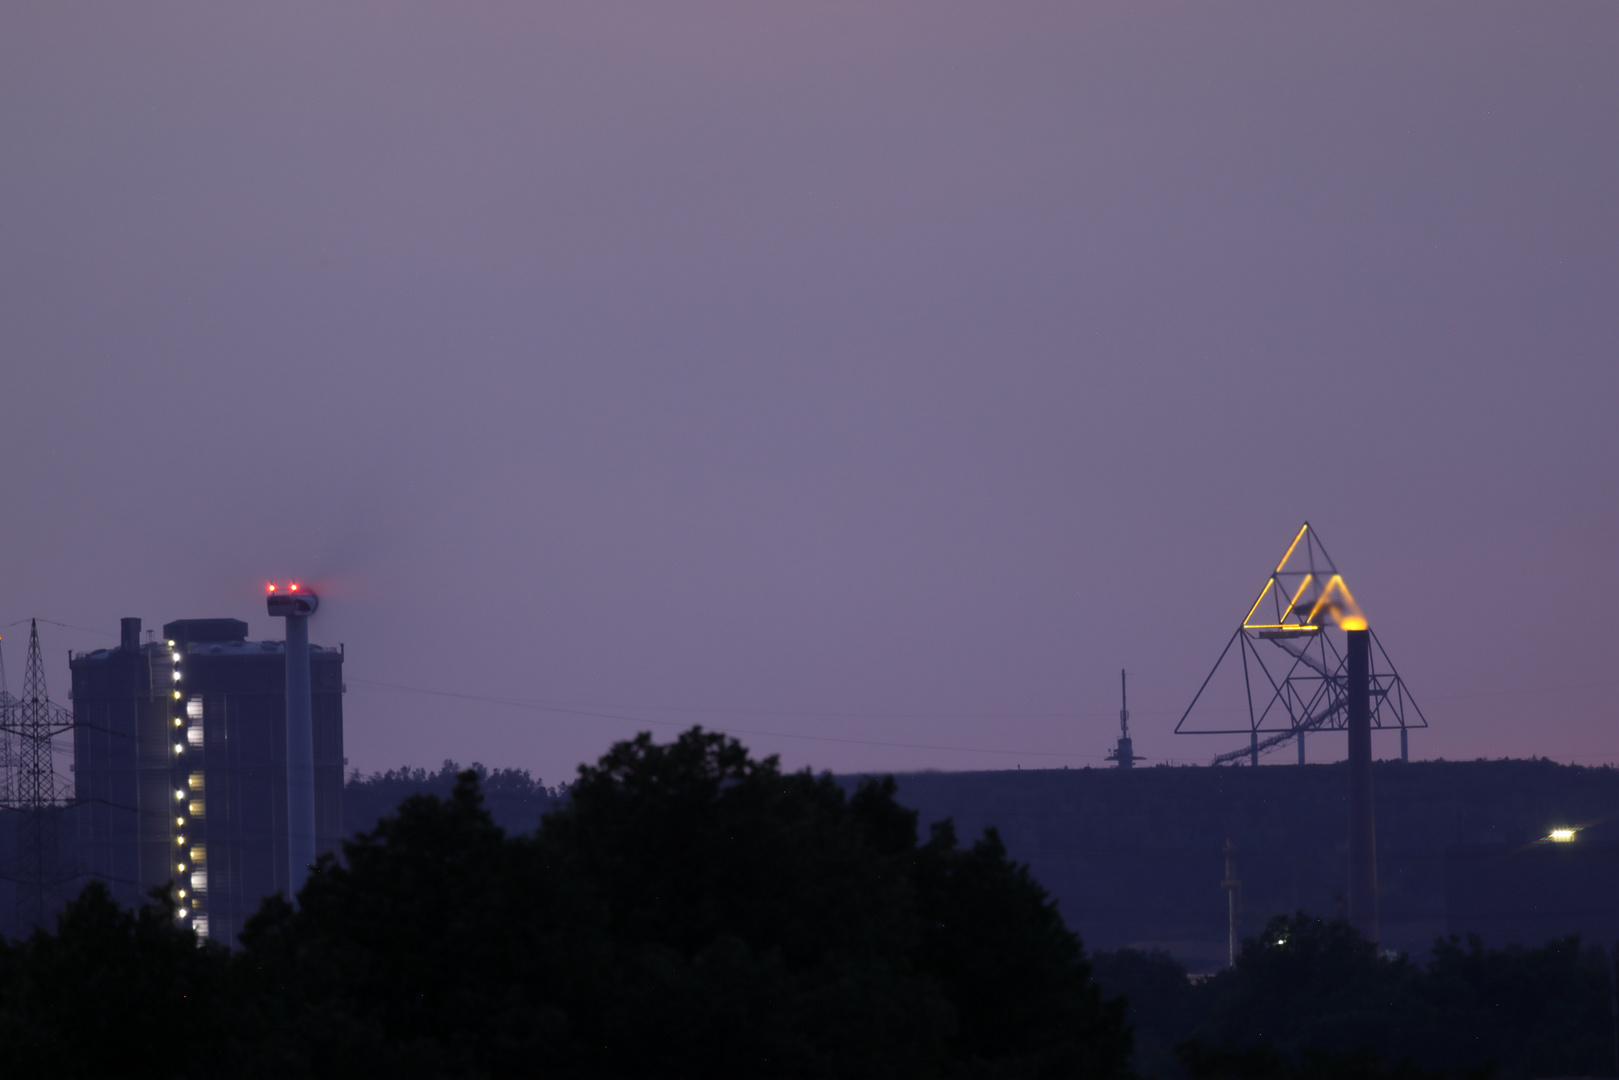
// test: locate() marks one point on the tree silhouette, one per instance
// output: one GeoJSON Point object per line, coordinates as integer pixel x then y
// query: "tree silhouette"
{"type": "Point", "coordinates": [690, 911]}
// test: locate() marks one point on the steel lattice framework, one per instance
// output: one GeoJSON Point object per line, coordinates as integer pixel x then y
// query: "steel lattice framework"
{"type": "Point", "coordinates": [8, 744]}
{"type": "Point", "coordinates": [1294, 660]}
{"type": "Point", "coordinates": [31, 723]}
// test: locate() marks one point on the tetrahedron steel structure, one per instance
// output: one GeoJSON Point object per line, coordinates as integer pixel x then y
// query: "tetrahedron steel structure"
{"type": "Point", "coordinates": [1291, 648]}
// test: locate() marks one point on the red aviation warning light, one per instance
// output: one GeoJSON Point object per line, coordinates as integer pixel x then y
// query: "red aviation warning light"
{"type": "Point", "coordinates": [295, 602]}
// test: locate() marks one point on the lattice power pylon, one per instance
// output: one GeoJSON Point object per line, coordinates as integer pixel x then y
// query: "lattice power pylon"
{"type": "Point", "coordinates": [1293, 660]}
{"type": "Point", "coordinates": [8, 743]}
{"type": "Point", "coordinates": [32, 722]}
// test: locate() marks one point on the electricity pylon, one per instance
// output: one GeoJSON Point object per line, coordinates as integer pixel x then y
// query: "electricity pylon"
{"type": "Point", "coordinates": [32, 722]}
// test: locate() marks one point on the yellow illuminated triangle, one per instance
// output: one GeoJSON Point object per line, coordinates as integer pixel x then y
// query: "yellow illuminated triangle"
{"type": "Point", "coordinates": [1305, 593]}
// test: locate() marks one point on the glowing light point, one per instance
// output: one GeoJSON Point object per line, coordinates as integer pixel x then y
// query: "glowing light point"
{"type": "Point", "coordinates": [1561, 836]}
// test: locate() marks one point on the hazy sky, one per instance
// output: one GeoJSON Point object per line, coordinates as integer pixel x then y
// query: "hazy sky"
{"type": "Point", "coordinates": [873, 379]}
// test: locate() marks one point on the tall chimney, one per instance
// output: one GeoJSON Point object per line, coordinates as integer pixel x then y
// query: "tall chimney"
{"type": "Point", "coordinates": [1362, 818]}
{"type": "Point", "coordinates": [296, 606]}
{"type": "Point", "coordinates": [129, 635]}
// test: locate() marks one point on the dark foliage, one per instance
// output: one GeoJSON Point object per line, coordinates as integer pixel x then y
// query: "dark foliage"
{"type": "Point", "coordinates": [1265, 1062]}
{"type": "Point", "coordinates": [688, 911]}
{"type": "Point", "coordinates": [513, 798]}
{"type": "Point", "coordinates": [113, 993]}
{"type": "Point", "coordinates": [1309, 997]}
{"type": "Point", "coordinates": [1161, 1007]}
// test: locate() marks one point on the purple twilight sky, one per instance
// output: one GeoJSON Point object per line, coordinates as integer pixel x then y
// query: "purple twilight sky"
{"type": "Point", "coordinates": [875, 380]}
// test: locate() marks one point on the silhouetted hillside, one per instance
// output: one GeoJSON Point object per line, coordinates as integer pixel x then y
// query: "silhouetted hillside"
{"type": "Point", "coordinates": [1133, 856]}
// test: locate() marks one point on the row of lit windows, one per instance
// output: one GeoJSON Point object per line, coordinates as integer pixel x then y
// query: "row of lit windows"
{"type": "Point", "coordinates": [191, 801]}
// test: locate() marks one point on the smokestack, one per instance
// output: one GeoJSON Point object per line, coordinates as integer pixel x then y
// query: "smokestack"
{"type": "Point", "coordinates": [1362, 818]}
{"type": "Point", "coordinates": [129, 635]}
{"type": "Point", "coordinates": [296, 606]}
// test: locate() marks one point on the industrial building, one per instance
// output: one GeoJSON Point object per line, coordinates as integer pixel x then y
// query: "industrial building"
{"type": "Point", "coordinates": [180, 766]}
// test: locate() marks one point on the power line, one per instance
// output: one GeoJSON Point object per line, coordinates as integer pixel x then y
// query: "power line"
{"type": "Point", "coordinates": [569, 711]}
{"type": "Point", "coordinates": [713, 710]}
{"type": "Point", "coordinates": [63, 625]}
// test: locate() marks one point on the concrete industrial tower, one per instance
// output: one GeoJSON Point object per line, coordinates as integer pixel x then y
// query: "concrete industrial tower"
{"type": "Point", "coordinates": [181, 760]}
{"type": "Point", "coordinates": [296, 606]}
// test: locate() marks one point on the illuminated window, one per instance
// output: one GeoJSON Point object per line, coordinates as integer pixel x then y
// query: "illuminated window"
{"type": "Point", "coordinates": [199, 882]}
{"type": "Point", "coordinates": [195, 781]}
{"type": "Point", "coordinates": [194, 736]}
{"type": "Point", "coordinates": [200, 925]}
{"type": "Point", "coordinates": [194, 709]}
{"type": "Point", "coordinates": [196, 808]}
{"type": "Point", "coordinates": [199, 853]}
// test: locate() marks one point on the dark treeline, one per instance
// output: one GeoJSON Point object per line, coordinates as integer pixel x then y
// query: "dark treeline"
{"type": "Point", "coordinates": [688, 911]}
{"type": "Point", "coordinates": [1306, 989]}
{"type": "Point", "coordinates": [515, 800]}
